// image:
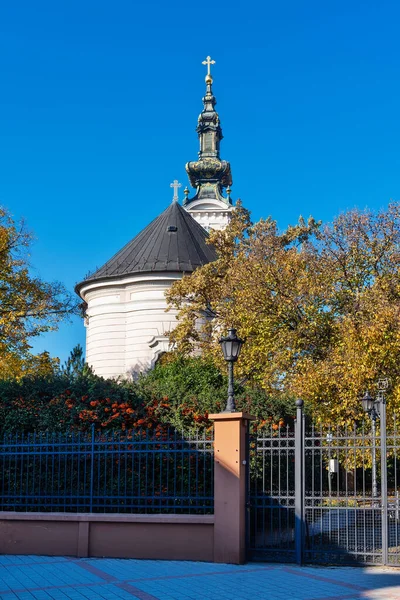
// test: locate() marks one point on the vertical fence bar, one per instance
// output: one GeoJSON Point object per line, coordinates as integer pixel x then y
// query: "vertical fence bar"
{"type": "Point", "coordinates": [247, 489]}
{"type": "Point", "coordinates": [384, 498]}
{"type": "Point", "coordinates": [91, 472]}
{"type": "Point", "coordinates": [395, 530]}
{"type": "Point", "coordinates": [374, 478]}
{"type": "Point", "coordinates": [299, 481]}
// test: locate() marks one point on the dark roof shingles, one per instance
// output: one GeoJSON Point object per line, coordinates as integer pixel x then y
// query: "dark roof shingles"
{"type": "Point", "coordinates": [155, 249]}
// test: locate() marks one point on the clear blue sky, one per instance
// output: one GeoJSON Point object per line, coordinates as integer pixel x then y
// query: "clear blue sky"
{"type": "Point", "coordinates": [99, 103]}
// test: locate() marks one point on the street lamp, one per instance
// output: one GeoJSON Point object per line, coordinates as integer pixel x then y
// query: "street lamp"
{"type": "Point", "coordinates": [231, 346]}
{"type": "Point", "coordinates": [370, 405]}
{"type": "Point", "coordinates": [376, 408]}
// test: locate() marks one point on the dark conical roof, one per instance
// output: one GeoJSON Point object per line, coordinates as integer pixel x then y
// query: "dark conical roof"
{"type": "Point", "coordinates": [174, 241]}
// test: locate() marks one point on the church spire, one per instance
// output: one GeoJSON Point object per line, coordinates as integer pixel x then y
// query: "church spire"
{"type": "Point", "coordinates": [208, 127]}
{"type": "Point", "coordinates": [209, 174]}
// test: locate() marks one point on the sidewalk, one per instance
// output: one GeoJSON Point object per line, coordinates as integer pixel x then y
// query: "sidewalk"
{"type": "Point", "coordinates": [59, 578]}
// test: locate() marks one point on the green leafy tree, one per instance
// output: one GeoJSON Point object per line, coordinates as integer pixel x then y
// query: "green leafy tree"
{"type": "Point", "coordinates": [183, 391]}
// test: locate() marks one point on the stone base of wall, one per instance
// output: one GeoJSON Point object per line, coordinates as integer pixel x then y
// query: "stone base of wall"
{"type": "Point", "coordinates": [169, 537]}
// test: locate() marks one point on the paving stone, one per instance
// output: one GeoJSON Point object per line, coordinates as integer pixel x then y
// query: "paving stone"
{"type": "Point", "coordinates": [59, 578]}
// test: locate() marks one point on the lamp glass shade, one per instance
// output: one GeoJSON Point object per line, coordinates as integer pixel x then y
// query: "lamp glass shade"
{"type": "Point", "coordinates": [367, 402]}
{"type": "Point", "coordinates": [231, 346]}
{"type": "Point", "coordinates": [227, 349]}
{"type": "Point", "coordinates": [236, 348]}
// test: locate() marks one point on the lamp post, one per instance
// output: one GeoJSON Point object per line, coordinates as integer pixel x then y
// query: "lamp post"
{"type": "Point", "coordinates": [371, 407]}
{"type": "Point", "coordinates": [231, 346]}
{"type": "Point", "coordinates": [376, 408]}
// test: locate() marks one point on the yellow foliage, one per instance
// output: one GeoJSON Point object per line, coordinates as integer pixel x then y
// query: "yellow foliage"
{"type": "Point", "coordinates": [318, 305]}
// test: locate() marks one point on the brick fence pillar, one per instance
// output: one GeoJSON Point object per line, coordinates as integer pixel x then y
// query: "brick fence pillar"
{"type": "Point", "coordinates": [230, 455]}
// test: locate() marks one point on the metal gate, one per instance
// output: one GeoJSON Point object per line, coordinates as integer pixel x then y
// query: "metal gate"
{"type": "Point", "coordinates": [314, 497]}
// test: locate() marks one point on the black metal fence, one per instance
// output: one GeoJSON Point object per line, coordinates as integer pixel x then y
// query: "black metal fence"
{"type": "Point", "coordinates": [342, 517]}
{"type": "Point", "coordinates": [137, 472]}
{"type": "Point", "coordinates": [272, 495]}
{"type": "Point", "coordinates": [312, 498]}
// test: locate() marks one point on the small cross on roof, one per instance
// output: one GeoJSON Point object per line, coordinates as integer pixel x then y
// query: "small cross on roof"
{"type": "Point", "coordinates": [176, 185]}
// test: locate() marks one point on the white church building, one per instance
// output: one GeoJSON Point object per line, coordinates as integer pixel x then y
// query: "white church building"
{"type": "Point", "coordinates": [126, 320]}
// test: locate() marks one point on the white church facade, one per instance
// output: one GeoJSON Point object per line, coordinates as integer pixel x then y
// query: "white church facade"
{"type": "Point", "coordinates": [126, 320]}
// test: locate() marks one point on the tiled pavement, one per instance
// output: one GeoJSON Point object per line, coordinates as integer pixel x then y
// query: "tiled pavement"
{"type": "Point", "coordinates": [59, 578]}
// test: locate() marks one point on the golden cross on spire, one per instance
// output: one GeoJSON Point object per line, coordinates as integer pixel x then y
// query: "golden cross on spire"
{"type": "Point", "coordinates": [208, 62]}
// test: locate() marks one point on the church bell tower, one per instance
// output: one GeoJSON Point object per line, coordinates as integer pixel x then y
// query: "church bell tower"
{"type": "Point", "coordinates": [209, 175]}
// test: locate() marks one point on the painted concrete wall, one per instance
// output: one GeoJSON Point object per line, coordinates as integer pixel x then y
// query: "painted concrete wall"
{"type": "Point", "coordinates": [126, 323]}
{"type": "Point", "coordinates": [170, 537]}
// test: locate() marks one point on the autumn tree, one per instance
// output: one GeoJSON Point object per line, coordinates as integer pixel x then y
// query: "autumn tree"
{"type": "Point", "coordinates": [18, 366]}
{"type": "Point", "coordinates": [29, 306]}
{"type": "Point", "coordinates": [319, 306]}
{"type": "Point", "coordinates": [359, 255]}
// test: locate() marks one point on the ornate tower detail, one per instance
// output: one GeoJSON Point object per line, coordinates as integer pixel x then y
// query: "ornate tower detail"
{"type": "Point", "coordinates": [209, 175]}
